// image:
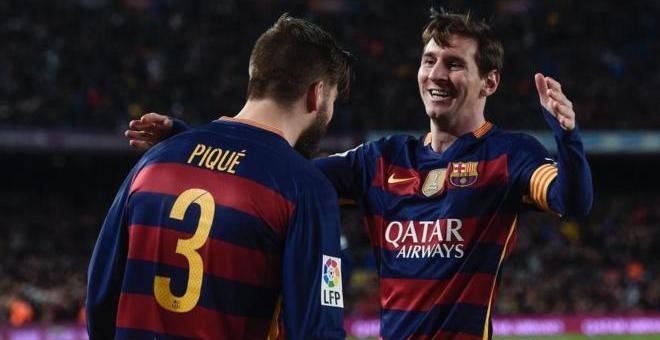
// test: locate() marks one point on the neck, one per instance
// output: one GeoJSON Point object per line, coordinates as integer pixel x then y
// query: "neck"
{"type": "Point", "coordinates": [444, 132]}
{"type": "Point", "coordinates": [273, 115]}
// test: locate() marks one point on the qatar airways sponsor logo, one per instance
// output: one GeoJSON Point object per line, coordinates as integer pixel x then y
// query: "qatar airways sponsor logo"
{"type": "Point", "coordinates": [426, 239]}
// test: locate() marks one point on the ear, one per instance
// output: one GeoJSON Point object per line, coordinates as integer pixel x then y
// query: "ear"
{"type": "Point", "coordinates": [491, 82]}
{"type": "Point", "coordinates": [314, 96]}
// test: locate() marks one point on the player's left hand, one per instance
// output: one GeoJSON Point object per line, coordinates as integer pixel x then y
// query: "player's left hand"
{"type": "Point", "coordinates": [553, 99]}
{"type": "Point", "coordinates": [150, 129]}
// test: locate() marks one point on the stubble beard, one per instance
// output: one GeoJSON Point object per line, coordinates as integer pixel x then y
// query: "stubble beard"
{"type": "Point", "coordinates": [308, 142]}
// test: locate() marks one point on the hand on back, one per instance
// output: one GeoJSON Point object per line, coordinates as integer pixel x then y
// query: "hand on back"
{"type": "Point", "coordinates": [147, 131]}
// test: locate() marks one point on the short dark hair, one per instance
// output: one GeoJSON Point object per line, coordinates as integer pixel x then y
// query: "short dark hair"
{"type": "Point", "coordinates": [292, 55]}
{"type": "Point", "coordinates": [489, 52]}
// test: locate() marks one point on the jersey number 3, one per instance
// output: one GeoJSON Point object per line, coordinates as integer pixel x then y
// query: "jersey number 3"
{"type": "Point", "coordinates": [188, 248]}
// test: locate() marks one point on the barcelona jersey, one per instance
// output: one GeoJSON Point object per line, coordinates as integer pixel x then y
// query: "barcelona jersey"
{"type": "Point", "coordinates": [221, 232]}
{"type": "Point", "coordinates": [442, 224]}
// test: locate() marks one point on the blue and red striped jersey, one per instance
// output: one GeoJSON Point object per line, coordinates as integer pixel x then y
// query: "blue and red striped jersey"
{"type": "Point", "coordinates": [441, 224]}
{"type": "Point", "coordinates": [221, 232]}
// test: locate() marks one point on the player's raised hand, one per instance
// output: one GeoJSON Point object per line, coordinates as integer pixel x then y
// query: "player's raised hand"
{"type": "Point", "coordinates": [150, 129]}
{"type": "Point", "coordinates": [553, 99]}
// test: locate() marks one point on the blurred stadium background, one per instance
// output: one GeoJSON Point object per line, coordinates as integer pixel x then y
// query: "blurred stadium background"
{"type": "Point", "coordinates": [74, 72]}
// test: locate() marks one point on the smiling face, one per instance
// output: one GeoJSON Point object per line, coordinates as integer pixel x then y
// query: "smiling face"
{"type": "Point", "coordinates": [449, 80]}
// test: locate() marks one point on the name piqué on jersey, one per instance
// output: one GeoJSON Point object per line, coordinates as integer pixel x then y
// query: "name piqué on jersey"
{"type": "Point", "coordinates": [214, 158]}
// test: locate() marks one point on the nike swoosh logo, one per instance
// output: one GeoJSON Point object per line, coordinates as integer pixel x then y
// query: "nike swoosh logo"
{"type": "Point", "coordinates": [392, 180]}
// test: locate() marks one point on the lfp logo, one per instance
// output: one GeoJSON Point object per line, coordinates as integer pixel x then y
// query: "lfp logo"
{"type": "Point", "coordinates": [331, 291]}
{"type": "Point", "coordinates": [331, 273]}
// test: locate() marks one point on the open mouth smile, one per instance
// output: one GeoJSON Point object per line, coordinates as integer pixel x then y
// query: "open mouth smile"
{"type": "Point", "coordinates": [441, 94]}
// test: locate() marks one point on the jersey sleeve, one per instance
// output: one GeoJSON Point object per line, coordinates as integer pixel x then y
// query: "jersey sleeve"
{"type": "Point", "coordinates": [178, 126]}
{"type": "Point", "coordinates": [106, 267]}
{"type": "Point", "coordinates": [564, 186]}
{"type": "Point", "coordinates": [571, 193]}
{"type": "Point", "coordinates": [350, 172]}
{"type": "Point", "coordinates": [538, 170]}
{"type": "Point", "coordinates": [312, 296]}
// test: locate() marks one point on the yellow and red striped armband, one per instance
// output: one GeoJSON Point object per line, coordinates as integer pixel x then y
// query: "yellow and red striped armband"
{"type": "Point", "coordinates": [540, 183]}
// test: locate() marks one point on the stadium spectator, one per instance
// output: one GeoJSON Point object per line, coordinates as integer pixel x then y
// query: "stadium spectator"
{"type": "Point", "coordinates": [95, 66]}
{"type": "Point", "coordinates": [20, 312]}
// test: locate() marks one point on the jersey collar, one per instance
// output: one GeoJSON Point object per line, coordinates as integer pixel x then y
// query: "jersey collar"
{"type": "Point", "coordinates": [253, 123]}
{"type": "Point", "coordinates": [478, 133]}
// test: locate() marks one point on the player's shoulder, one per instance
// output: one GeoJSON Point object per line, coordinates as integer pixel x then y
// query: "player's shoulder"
{"type": "Point", "coordinates": [303, 182]}
{"type": "Point", "coordinates": [266, 157]}
{"type": "Point", "coordinates": [515, 139]}
{"type": "Point", "coordinates": [267, 146]}
{"type": "Point", "coordinates": [515, 142]}
{"type": "Point", "coordinates": [399, 140]}
{"type": "Point", "coordinates": [394, 144]}
{"type": "Point", "coordinates": [176, 148]}
{"type": "Point", "coordinates": [309, 176]}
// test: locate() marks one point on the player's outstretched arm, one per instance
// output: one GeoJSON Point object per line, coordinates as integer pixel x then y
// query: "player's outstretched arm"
{"type": "Point", "coordinates": [571, 193]}
{"type": "Point", "coordinates": [150, 129]}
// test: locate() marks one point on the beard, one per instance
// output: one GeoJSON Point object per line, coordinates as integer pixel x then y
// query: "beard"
{"type": "Point", "coordinates": [308, 142]}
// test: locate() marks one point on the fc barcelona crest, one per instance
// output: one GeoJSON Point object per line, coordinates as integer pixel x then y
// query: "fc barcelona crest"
{"type": "Point", "coordinates": [463, 174]}
{"type": "Point", "coordinates": [434, 182]}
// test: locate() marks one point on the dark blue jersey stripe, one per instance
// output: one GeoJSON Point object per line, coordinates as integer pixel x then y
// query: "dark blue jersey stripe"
{"type": "Point", "coordinates": [131, 334]}
{"type": "Point", "coordinates": [481, 258]}
{"type": "Point", "coordinates": [393, 267]}
{"type": "Point", "coordinates": [458, 203]}
{"type": "Point", "coordinates": [232, 225]}
{"type": "Point", "coordinates": [226, 296]}
{"type": "Point", "coordinates": [460, 317]}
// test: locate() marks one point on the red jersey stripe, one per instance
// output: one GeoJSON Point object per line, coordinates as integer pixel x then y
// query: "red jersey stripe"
{"type": "Point", "coordinates": [142, 312]}
{"type": "Point", "coordinates": [404, 181]}
{"type": "Point", "coordinates": [227, 190]}
{"type": "Point", "coordinates": [396, 179]}
{"type": "Point", "coordinates": [422, 295]}
{"type": "Point", "coordinates": [492, 172]}
{"type": "Point", "coordinates": [159, 245]}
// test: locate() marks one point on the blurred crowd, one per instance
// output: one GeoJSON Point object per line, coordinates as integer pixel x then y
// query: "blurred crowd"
{"type": "Point", "coordinates": [45, 252]}
{"type": "Point", "coordinates": [604, 265]}
{"type": "Point", "coordinates": [52, 206]}
{"type": "Point", "coordinates": [96, 63]}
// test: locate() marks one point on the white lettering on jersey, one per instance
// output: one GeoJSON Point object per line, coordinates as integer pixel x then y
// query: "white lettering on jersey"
{"type": "Point", "coordinates": [426, 239]}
